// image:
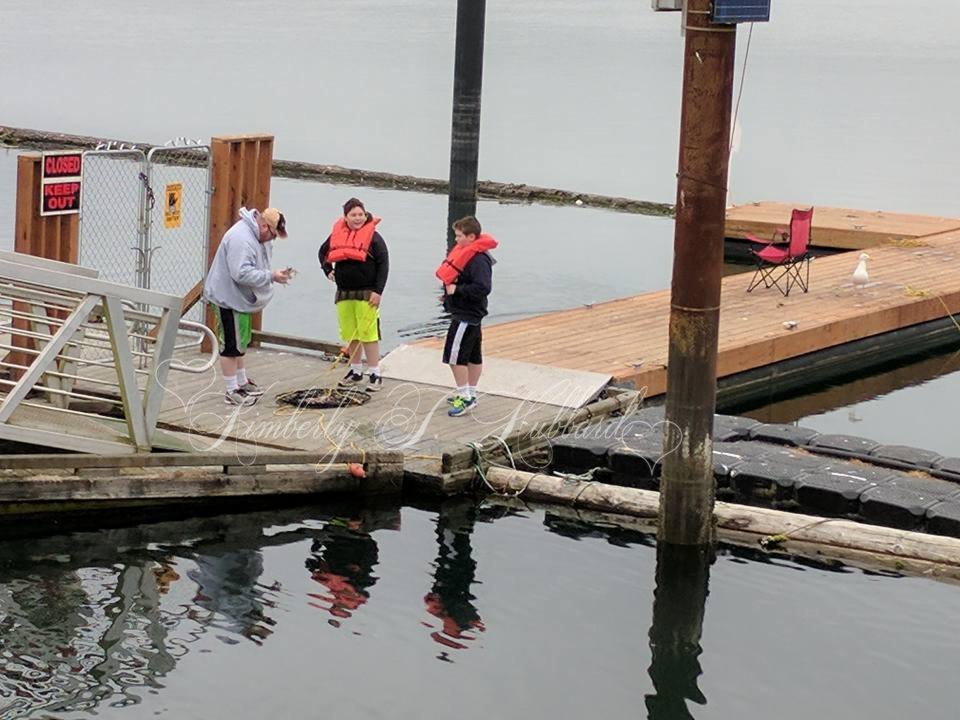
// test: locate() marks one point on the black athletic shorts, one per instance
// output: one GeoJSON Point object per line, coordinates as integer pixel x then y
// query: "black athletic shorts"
{"type": "Point", "coordinates": [463, 345]}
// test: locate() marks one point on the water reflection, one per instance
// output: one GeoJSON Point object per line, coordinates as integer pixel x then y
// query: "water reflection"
{"type": "Point", "coordinates": [683, 578]}
{"type": "Point", "coordinates": [343, 556]}
{"type": "Point", "coordinates": [95, 619]}
{"type": "Point", "coordinates": [450, 599]}
{"type": "Point", "coordinates": [228, 595]}
{"type": "Point", "coordinates": [73, 638]}
{"type": "Point", "coordinates": [773, 407]}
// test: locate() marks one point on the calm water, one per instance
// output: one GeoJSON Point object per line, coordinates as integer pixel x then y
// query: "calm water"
{"type": "Point", "coordinates": [479, 612]}
{"type": "Point", "coordinates": [842, 105]}
{"type": "Point", "coordinates": [835, 110]}
{"type": "Point", "coordinates": [453, 610]}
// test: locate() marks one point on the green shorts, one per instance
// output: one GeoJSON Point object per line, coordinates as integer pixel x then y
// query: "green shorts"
{"type": "Point", "coordinates": [359, 320]}
{"type": "Point", "coordinates": [234, 330]}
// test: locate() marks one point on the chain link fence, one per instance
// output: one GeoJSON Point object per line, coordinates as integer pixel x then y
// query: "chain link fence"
{"type": "Point", "coordinates": [144, 218]}
{"type": "Point", "coordinates": [178, 223]}
{"type": "Point", "coordinates": [112, 233]}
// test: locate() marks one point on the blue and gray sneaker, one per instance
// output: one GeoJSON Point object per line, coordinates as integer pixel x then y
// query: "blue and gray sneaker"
{"type": "Point", "coordinates": [461, 406]}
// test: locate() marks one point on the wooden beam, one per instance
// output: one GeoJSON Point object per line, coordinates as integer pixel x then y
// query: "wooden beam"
{"type": "Point", "coordinates": [55, 461]}
{"type": "Point", "coordinates": [182, 485]}
{"type": "Point", "coordinates": [303, 343]}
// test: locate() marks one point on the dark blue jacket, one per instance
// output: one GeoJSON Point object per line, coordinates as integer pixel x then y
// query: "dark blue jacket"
{"type": "Point", "coordinates": [469, 302]}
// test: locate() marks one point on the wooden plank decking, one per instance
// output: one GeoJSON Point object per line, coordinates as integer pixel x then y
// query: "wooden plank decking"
{"type": "Point", "coordinates": [406, 416]}
{"type": "Point", "coordinates": [837, 228]}
{"type": "Point", "coordinates": [628, 338]}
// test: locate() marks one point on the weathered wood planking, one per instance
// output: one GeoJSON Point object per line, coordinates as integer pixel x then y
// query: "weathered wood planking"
{"type": "Point", "coordinates": [403, 416]}
{"type": "Point", "coordinates": [836, 227]}
{"type": "Point", "coordinates": [628, 338]}
{"type": "Point", "coordinates": [184, 484]}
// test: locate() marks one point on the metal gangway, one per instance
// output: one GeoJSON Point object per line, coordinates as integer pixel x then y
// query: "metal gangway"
{"type": "Point", "coordinates": [84, 362]}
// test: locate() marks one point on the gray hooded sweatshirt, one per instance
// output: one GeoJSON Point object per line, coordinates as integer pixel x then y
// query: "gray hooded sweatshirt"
{"type": "Point", "coordinates": [240, 277]}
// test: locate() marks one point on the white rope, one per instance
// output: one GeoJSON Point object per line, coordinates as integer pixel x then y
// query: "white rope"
{"type": "Point", "coordinates": [743, 75]}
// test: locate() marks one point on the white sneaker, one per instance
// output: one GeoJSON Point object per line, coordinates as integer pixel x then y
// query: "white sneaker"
{"type": "Point", "coordinates": [251, 388]}
{"type": "Point", "coordinates": [239, 397]}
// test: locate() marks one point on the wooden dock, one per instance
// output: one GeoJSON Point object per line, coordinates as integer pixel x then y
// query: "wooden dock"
{"type": "Point", "coordinates": [911, 284]}
{"type": "Point", "coordinates": [405, 418]}
{"type": "Point", "coordinates": [837, 228]}
{"type": "Point", "coordinates": [915, 284]}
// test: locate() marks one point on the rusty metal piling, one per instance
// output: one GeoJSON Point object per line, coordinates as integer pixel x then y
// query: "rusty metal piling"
{"type": "Point", "coordinates": [687, 487]}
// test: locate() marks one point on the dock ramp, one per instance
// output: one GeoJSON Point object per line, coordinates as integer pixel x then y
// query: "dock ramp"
{"type": "Point", "coordinates": [61, 327]}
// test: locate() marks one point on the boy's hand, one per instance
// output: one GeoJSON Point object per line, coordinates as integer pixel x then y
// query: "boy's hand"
{"type": "Point", "coordinates": [330, 276]}
{"type": "Point", "coordinates": [451, 289]}
{"type": "Point", "coordinates": [374, 299]}
{"type": "Point", "coordinates": [281, 276]}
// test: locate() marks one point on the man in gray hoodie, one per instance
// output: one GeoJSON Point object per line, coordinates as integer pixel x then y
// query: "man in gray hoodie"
{"type": "Point", "coordinates": [239, 283]}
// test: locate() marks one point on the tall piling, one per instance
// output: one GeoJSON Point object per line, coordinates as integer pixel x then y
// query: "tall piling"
{"type": "Point", "coordinates": [465, 135]}
{"type": "Point", "coordinates": [687, 487]}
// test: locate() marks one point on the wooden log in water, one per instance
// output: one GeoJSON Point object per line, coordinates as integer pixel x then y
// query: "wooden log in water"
{"type": "Point", "coordinates": [487, 189]}
{"type": "Point", "coordinates": [818, 552]}
{"type": "Point", "coordinates": [896, 550]}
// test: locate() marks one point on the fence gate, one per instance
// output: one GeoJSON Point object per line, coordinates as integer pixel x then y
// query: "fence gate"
{"type": "Point", "coordinates": [144, 218]}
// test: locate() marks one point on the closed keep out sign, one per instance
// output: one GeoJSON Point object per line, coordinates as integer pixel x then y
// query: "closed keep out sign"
{"type": "Point", "coordinates": [61, 197]}
{"type": "Point", "coordinates": [60, 182]}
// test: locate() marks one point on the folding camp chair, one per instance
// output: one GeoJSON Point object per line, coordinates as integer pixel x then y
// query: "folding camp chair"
{"type": "Point", "coordinates": [784, 266]}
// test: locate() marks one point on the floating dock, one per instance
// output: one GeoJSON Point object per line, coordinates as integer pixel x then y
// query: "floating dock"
{"type": "Point", "coordinates": [836, 229]}
{"type": "Point", "coordinates": [543, 377]}
{"type": "Point", "coordinates": [907, 307]}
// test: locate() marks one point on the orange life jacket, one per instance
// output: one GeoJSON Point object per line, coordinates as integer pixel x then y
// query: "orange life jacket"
{"type": "Point", "coordinates": [460, 255]}
{"type": "Point", "coordinates": [347, 244]}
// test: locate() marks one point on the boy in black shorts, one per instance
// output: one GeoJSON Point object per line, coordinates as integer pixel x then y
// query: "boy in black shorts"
{"type": "Point", "coordinates": [467, 276]}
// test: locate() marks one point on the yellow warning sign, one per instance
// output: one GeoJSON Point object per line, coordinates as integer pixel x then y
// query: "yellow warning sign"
{"type": "Point", "coordinates": [172, 197]}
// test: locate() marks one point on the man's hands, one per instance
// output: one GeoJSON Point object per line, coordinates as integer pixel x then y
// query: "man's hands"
{"type": "Point", "coordinates": [374, 299]}
{"type": "Point", "coordinates": [282, 276]}
{"type": "Point", "coordinates": [451, 289]}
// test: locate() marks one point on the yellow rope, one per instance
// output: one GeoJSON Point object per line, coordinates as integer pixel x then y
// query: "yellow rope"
{"type": "Point", "coordinates": [947, 310]}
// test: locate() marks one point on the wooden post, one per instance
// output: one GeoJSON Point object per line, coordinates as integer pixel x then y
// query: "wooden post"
{"type": "Point", "coordinates": [687, 485]}
{"type": "Point", "coordinates": [242, 169]}
{"type": "Point", "coordinates": [465, 136]}
{"type": "Point", "coordinates": [55, 237]}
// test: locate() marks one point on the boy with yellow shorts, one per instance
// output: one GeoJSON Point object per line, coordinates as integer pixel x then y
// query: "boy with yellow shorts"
{"type": "Point", "coordinates": [355, 257]}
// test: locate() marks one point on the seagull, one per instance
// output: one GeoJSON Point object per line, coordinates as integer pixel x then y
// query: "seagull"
{"type": "Point", "coordinates": [860, 277]}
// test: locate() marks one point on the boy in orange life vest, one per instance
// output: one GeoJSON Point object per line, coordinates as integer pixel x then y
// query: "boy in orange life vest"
{"type": "Point", "coordinates": [355, 257]}
{"type": "Point", "coordinates": [467, 277]}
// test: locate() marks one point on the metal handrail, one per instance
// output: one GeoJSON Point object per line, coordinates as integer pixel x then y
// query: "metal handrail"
{"type": "Point", "coordinates": [62, 341]}
{"type": "Point", "coordinates": [54, 373]}
{"type": "Point", "coordinates": [66, 393]}
{"type": "Point", "coordinates": [204, 332]}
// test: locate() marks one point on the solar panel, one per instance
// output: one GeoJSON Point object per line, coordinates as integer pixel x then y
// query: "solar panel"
{"type": "Point", "coordinates": [728, 12]}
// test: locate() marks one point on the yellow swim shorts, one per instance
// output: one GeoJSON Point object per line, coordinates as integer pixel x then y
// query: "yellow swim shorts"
{"type": "Point", "coordinates": [359, 320]}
